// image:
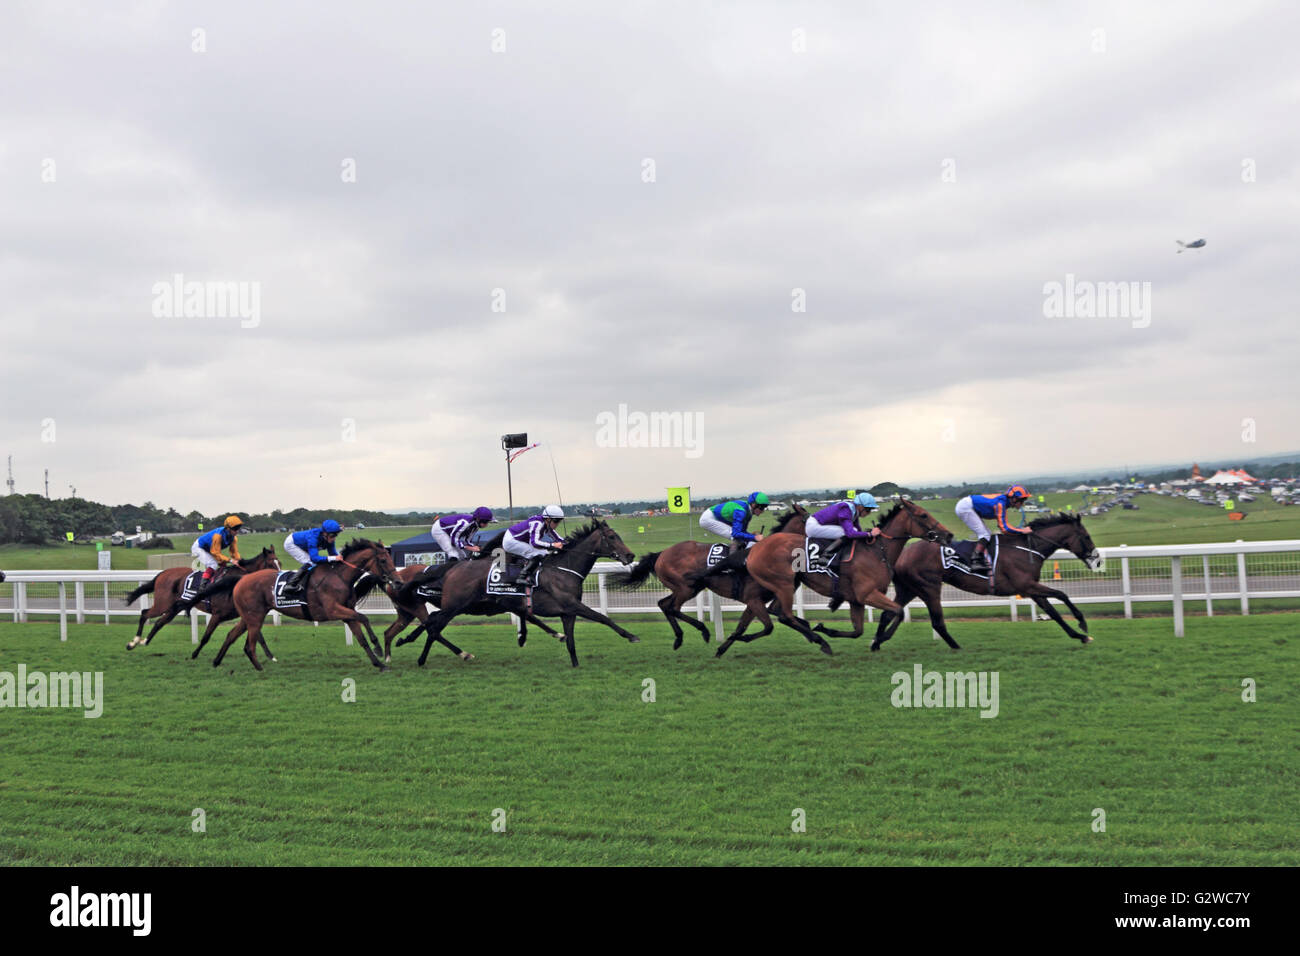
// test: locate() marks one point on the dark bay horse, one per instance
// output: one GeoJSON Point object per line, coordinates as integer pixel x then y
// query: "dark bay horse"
{"type": "Point", "coordinates": [558, 592]}
{"type": "Point", "coordinates": [682, 570]}
{"type": "Point", "coordinates": [166, 588]}
{"type": "Point", "coordinates": [411, 605]}
{"type": "Point", "coordinates": [777, 564]}
{"type": "Point", "coordinates": [1020, 557]}
{"type": "Point", "coordinates": [332, 592]}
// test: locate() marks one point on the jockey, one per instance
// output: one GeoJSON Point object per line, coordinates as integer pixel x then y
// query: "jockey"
{"type": "Point", "coordinates": [973, 509]}
{"type": "Point", "coordinates": [534, 538]}
{"type": "Point", "coordinates": [731, 520]}
{"type": "Point", "coordinates": [452, 532]}
{"type": "Point", "coordinates": [207, 547]}
{"type": "Point", "coordinates": [305, 547]}
{"type": "Point", "coordinates": [838, 522]}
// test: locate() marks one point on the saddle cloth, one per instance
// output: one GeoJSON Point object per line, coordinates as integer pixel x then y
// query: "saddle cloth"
{"type": "Point", "coordinates": [960, 554]}
{"type": "Point", "coordinates": [280, 601]}
{"type": "Point", "coordinates": [191, 585]}
{"type": "Point", "coordinates": [504, 581]}
{"type": "Point", "coordinates": [717, 554]}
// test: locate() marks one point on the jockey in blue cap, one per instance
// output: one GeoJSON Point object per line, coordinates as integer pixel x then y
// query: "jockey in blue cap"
{"type": "Point", "coordinates": [305, 547]}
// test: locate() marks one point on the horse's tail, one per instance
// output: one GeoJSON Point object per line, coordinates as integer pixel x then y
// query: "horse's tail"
{"type": "Point", "coordinates": [627, 580]}
{"type": "Point", "coordinates": [146, 588]}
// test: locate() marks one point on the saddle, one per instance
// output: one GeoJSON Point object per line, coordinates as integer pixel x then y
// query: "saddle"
{"type": "Point", "coordinates": [960, 554]}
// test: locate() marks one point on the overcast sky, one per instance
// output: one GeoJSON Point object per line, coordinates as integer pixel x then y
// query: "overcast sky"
{"type": "Point", "coordinates": [920, 171]}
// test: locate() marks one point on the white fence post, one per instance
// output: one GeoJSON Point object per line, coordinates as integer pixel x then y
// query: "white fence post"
{"type": "Point", "coordinates": [106, 619]}
{"type": "Point", "coordinates": [1176, 582]}
{"type": "Point", "coordinates": [603, 593]}
{"type": "Point", "coordinates": [1127, 584]}
{"type": "Point", "coordinates": [699, 604]}
{"type": "Point", "coordinates": [715, 602]}
{"type": "Point", "coordinates": [63, 611]}
{"type": "Point", "coordinates": [20, 602]}
{"type": "Point", "coordinates": [347, 635]}
{"type": "Point", "coordinates": [194, 626]}
{"type": "Point", "coordinates": [1209, 601]}
{"type": "Point", "coordinates": [1242, 584]}
{"type": "Point", "coordinates": [79, 598]}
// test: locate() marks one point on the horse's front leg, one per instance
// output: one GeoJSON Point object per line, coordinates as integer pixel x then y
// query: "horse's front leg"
{"type": "Point", "coordinates": [581, 610]}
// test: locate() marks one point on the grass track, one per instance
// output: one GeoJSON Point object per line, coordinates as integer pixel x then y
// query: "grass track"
{"type": "Point", "coordinates": [1148, 727]}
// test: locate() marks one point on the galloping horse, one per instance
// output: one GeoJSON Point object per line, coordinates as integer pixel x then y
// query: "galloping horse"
{"type": "Point", "coordinates": [1020, 559]}
{"type": "Point", "coordinates": [410, 604]}
{"type": "Point", "coordinates": [166, 588]}
{"type": "Point", "coordinates": [333, 589]}
{"type": "Point", "coordinates": [682, 570]}
{"type": "Point", "coordinates": [558, 592]}
{"type": "Point", "coordinates": [864, 572]}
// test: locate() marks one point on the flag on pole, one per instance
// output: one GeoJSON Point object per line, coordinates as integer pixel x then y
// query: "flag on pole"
{"type": "Point", "coordinates": [679, 500]}
{"type": "Point", "coordinates": [69, 534]}
{"type": "Point", "coordinates": [516, 454]}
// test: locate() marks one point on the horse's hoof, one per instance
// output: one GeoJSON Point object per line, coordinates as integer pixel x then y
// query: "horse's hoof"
{"type": "Point", "coordinates": [633, 639]}
{"type": "Point", "coordinates": [875, 646]}
{"type": "Point", "coordinates": [826, 649]}
{"type": "Point", "coordinates": [466, 656]}
{"type": "Point", "coordinates": [1085, 639]}
{"type": "Point", "coordinates": [676, 644]}
{"type": "Point", "coordinates": [131, 646]}
{"type": "Point", "coordinates": [819, 628]}
{"type": "Point", "coordinates": [275, 660]}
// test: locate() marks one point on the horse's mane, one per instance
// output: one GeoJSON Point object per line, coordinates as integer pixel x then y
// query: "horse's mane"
{"type": "Point", "coordinates": [360, 544]}
{"type": "Point", "coordinates": [584, 532]}
{"type": "Point", "coordinates": [884, 519]}
{"type": "Point", "coordinates": [1052, 520]}
{"type": "Point", "coordinates": [795, 512]}
{"type": "Point", "coordinates": [490, 545]}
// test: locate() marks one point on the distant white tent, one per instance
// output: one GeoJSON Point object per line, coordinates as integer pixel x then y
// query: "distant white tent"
{"type": "Point", "coordinates": [1231, 477]}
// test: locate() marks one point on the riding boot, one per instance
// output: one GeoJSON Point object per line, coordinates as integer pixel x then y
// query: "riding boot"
{"type": "Point", "coordinates": [830, 550]}
{"type": "Point", "coordinates": [980, 559]}
{"type": "Point", "coordinates": [529, 567]}
{"type": "Point", "coordinates": [295, 583]}
{"type": "Point", "coordinates": [735, 561]}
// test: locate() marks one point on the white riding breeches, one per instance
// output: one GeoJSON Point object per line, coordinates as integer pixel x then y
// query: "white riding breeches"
{"type": "Point", "coordinates": [966, 512]}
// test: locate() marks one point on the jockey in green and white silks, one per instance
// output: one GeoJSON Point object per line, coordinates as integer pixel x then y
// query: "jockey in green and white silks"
{"type": "Point", "coordinates": [731, 519]}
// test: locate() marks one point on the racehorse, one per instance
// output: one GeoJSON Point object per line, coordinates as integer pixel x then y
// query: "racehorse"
{"type": "Point", "coordinates": [778, 564]}
{"type": "Point", "coordinates": [558, 592]}
{"type": "Point", "coordinates": [166, 587]}
{"type": "Point", "coordinates": [411, 605]}
{"type": "Point", "coordinates": [682, 570]}
{"type": "Point", "coordinates": [332, 592]}
{"type": "Point", "coordinates": [1019, 563]}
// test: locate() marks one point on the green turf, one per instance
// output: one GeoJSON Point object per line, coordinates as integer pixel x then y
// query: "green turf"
{"type": "Point", "coordinates": [1150, 728]}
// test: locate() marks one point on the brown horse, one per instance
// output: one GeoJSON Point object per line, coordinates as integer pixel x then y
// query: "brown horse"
{"type": "Point", "coordinates": [777, 563]}
{"type": "Point", "coordinates": [332, 591]}
{"type": "Point", "coordinates": [410, 606]}
{"type": "Point", "coordinates": [920, 572]}
{"type": "Point", "coordinates": [166, 588]}
{"type": "Point", "coordinates": [682, 570]}
{"type": "Point", "coordinates": [558, 592]}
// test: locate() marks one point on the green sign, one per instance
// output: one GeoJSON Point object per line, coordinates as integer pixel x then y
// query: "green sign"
{"type": "Point", "coordinates": [99, 546]}
{"type": "Point", "coordinates": [200, 525]}
{"type": "Point", "coordinates": [69, 534]}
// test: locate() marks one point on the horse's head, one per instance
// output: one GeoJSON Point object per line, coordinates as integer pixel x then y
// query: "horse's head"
{"type": "Point", "coordinates": [609, 545]}
{"type": "Point", "coordinates": [260, 562]}
{"type": "Point", "coordinates": [1066, 530]}
{"type": "Point", "coordinates": [373, 556]}
{"type": "Point", "coordinates": [910, 520]}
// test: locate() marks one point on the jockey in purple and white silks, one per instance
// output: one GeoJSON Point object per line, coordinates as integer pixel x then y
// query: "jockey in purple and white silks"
{"type": "Point", "coordinates": [973, 509]}
{"type": "Point", "coordinates": [838, 522]}
{"type": "Point", "coordinates": [534, 538]}
{"type": "Point", "coordinates": [452, 532]}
